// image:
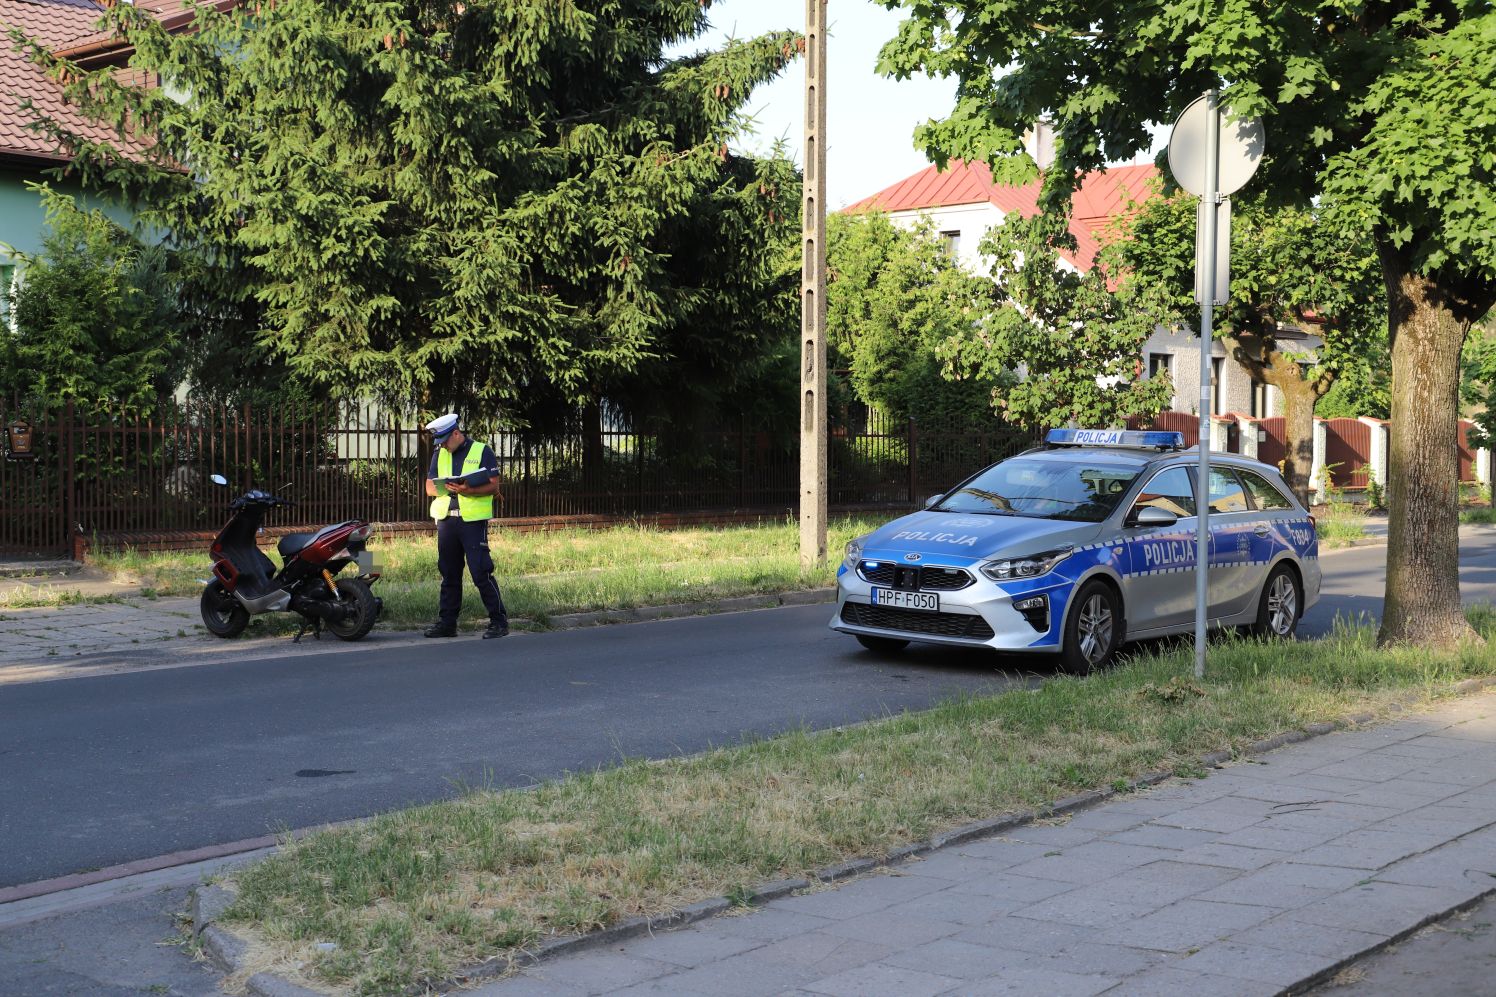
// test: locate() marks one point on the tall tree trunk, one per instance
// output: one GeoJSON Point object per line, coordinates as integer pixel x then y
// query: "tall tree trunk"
{"type": "Point", "coordinates": [1299, 397]}
{"type": "Point", "coordinates": [1422, 603]}
{"type": "Point", "coordinates": [1259, 354]}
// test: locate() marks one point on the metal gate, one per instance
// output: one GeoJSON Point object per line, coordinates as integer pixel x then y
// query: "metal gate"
{"type": "Point", "coordinates": [1348, 452]}
{"type": "Point", "coordinates": [1272, 441]}
{"type": "Point", "coordinates": [1467, 452]}
{"type": "Point", "coordinates": [36, 492]}
{"type": "Point", "coordinates": [1172, 422]}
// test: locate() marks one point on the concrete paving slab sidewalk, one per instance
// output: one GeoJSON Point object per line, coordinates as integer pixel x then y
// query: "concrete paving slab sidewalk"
{"type": "Point", "coordinates": [42, 643]}
{"type": "Point", "coordinates": [1264, 877]}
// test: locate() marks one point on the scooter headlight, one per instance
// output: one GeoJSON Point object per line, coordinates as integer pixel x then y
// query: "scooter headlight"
{"type": "Point", "coordinates": [1030, 566]}
{"type": "Point", "coordinates": [854, 551]}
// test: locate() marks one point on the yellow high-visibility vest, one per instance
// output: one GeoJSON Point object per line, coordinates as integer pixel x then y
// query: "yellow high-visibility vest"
{"type": "Point", "coordinates": [471, 507]}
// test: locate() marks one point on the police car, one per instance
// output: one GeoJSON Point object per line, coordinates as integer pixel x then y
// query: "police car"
{"type": "Point", "coordinates": [1075, 547]}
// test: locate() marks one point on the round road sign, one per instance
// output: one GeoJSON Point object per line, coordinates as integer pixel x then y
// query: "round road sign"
{"type": "Point", "coordinates": [1241, 145]}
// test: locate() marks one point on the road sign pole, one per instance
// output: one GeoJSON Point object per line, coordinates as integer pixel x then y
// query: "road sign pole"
{"type": "Point", "coordinates": [813, 297]}
{"type": "Point", "coordinates": [1207, 261]}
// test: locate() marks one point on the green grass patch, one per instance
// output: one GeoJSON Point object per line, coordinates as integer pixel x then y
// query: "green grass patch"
{"type": "Point", "coordinates": [566, 571]}
{"type": "Point", "coordinates": [412, 896]}
{"type": "Point", "coordinates": [1340, 524]}
{"type": "Point", "coordinates": [1478, 515]}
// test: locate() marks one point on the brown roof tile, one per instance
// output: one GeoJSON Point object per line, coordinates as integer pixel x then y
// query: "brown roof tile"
{"type": "Point", "coordinates": [60, 25]}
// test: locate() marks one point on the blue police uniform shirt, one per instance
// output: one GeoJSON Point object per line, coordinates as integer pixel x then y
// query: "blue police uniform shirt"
{"type": "Point", "coordinates": [489, 462]}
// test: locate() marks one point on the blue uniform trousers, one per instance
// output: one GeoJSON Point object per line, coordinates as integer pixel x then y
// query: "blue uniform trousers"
{"type": "Point", "coordinates": [459, 542]}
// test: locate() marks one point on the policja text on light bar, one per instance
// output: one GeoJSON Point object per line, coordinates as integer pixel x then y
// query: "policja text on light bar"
{"type": "Point", "coordinates": [1153, 439]}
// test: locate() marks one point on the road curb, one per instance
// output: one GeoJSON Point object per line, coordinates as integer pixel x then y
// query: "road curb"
{"type": "Point", "coordinates": [225, 946]}
{"type": "Point", "coordinates": [645, 614]}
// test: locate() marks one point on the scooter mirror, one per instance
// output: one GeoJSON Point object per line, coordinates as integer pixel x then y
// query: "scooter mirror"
{"type": "Point", "coordinates": [219, 479]}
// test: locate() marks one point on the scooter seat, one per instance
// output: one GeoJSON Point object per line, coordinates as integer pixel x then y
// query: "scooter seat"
{"type": "Point", "coordinates": [292, 543]}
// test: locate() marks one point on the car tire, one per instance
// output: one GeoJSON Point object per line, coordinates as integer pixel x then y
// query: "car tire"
{"type": "Point", "coordinates": [1093, 629]}
{"type": "Point", "coordinates": [1279, 607]}
{"type": "Point", "coordinates": [886, 645]}
{"type": "Point", "coordinates": [223, 615]}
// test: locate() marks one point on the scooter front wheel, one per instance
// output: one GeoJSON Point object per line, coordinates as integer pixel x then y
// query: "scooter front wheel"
{"type": "Point", "coordinates": [364, 608]}
{"type": "Point", "coordinates": [223, 615]}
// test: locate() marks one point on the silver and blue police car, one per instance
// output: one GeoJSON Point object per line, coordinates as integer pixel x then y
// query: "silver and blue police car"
{"type": "Point", "coordinates": [1078, 546]}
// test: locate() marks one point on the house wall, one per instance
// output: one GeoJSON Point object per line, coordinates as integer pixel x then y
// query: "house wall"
{"type": "Point", "coordinates": [1184, 351]}
{"type": "Point", "coordinates": [971, 220]}
{"type": "Point", "coordinates": [23, 223]}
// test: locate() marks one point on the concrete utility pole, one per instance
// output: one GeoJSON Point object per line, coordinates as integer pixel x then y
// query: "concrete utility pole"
{"type": "Point", "coordinates": [813, 297]}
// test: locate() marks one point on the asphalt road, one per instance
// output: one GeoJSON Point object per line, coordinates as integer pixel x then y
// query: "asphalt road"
{"type": "Point", "coordinates": [100, 771]}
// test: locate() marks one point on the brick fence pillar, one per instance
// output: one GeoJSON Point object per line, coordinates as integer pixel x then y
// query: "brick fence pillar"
{"type": "Point", "coordinates": [1219, 430]}
{"type": "Point", "coordinates": [1248, 436]}
{"type": "Point", "coordinates": [1377, 468]}
{"type": "Point", "coordinates": [1316, 479]}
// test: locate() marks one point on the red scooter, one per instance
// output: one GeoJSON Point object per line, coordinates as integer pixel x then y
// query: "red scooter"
{"type": "Point", "coordinates": [246, 583]}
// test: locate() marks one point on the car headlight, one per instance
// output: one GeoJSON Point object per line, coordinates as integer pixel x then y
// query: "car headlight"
{"type": "Point", "coordinates": [1026, 567]}
{"type": "Point", "coordinates": [854, 551]}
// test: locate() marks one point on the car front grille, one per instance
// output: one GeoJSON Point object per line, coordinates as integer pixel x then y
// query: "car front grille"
{"type": "Point", "coordinates": [971, 627]}
{"type": "Point", "coordinates": [929, 578]}
{"type": "Point", "coordinates": [943, 579]}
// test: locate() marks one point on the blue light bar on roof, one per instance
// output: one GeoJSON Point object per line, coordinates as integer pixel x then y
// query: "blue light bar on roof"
{"type": "Point", "coordinates": [1115, 438]}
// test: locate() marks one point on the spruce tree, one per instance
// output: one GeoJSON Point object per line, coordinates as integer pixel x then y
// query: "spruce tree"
{"type": "Point", "coordinates": [484, 204]}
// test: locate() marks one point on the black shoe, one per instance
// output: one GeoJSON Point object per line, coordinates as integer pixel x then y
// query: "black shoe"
{"type": "Point", "coordinates": [442, 630]}
{"type": "Point", "coordinates": [496, 630]}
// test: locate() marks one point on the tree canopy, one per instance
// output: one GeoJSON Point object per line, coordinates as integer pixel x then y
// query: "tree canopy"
{"type": "Point", "coordinates": [1062, 346]}
{"type": "Point", "coordinates": [1386, 106]}
{"type": "Point", "coordinates": [894, 295]}
{"type": "Point", "coordinates": [1295, 273]}
{"type": "Point", "coordinates": [97, 315]}
{"type": "Point", "coordinates": [475, 203]}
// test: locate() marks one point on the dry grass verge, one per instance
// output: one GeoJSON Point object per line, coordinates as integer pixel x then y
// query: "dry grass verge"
{"type": "Point", "coordinates": [412, 896]}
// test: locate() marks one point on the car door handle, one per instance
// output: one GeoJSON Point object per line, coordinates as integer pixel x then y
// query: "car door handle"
{"type": "Point", "coordinates": [1262, 529]}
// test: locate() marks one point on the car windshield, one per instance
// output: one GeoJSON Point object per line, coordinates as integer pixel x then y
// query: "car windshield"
{"type": "Point", "coordinates": [1084, 490]}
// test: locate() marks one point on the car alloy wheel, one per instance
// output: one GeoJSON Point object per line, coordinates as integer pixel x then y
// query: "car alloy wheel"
{"type": "Point", "coordinates": [1095, 628]}
{"type": "Point", "coordinates": [1282, 605]}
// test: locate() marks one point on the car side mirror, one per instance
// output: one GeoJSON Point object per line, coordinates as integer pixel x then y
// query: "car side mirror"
{"type": "Point", "coordinates": [1152, 515]}
{"type": "Point", "coordinates": [932, 500]}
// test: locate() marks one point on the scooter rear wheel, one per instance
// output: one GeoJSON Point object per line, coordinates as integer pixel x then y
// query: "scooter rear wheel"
{"type": "Point", "coordinates": [223, 615]}
{"type": "Point", "coordinates": [357, 624]}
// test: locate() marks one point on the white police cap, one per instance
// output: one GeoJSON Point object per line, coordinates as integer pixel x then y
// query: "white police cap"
{"type": "Point", "coordinates": [442, 426]}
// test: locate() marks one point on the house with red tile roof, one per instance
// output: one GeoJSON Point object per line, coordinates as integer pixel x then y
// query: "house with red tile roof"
{"type": "Point", "coordinates": [70, 29]}
{"type": "Point", "coordinates": [962, 202]}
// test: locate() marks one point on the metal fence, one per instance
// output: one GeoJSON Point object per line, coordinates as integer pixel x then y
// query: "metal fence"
{"type": "Point", "coordinates": [117, 477]}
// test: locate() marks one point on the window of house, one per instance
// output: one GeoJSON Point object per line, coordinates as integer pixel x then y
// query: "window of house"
{"type": "Point", "coordinates": [1160, 363]}
{"type": "Point", "coordinates": [1217, 368]}
{"type": "Point", "coordinates": [1172, 490]}
{"type": "Point", "coordinates": [1262, 405]}
{"type": "Point", "coordinates": [951, 242]}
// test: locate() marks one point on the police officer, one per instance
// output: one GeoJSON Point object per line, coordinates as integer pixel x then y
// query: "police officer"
{"type": "Point", "coordinates": [462, 511]}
